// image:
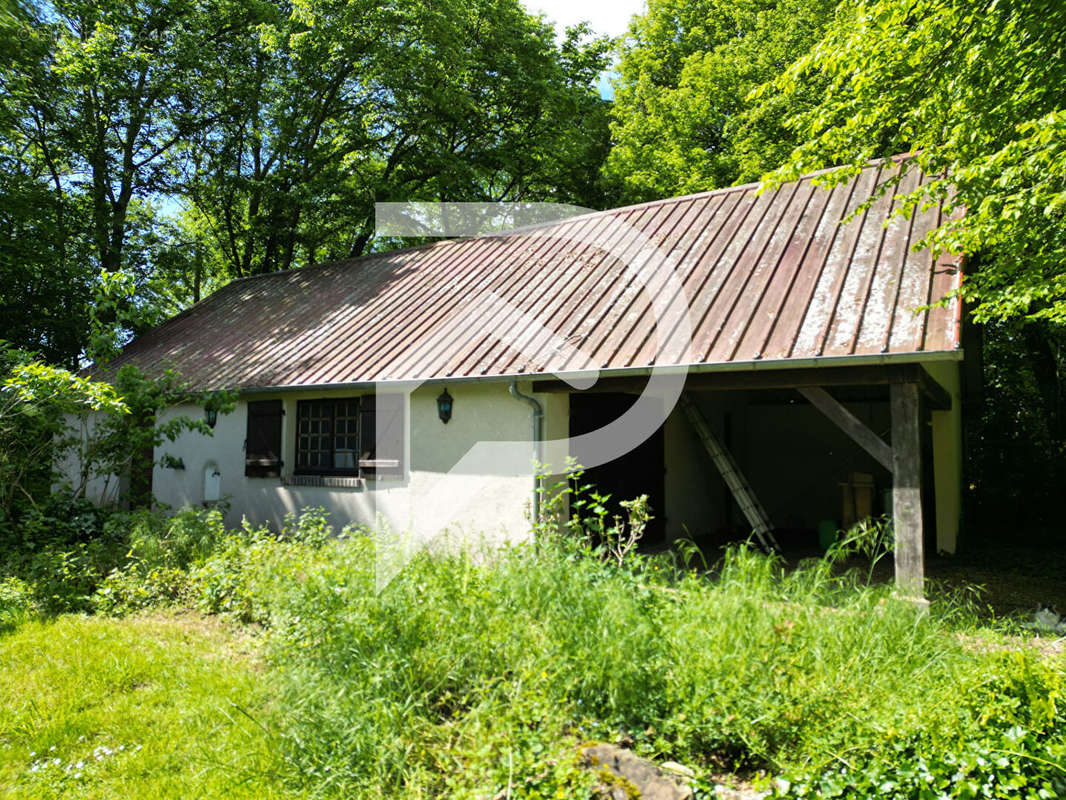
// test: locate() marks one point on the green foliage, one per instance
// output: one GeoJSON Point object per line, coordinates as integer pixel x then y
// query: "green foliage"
{"type": "Point", "coordinates": [466, 674]}
{"type": "Point", "coordinates": [183, 144]}
{"type": "Point", "coordinates": [681, 119]}
{"type": "Point", "coordinates": [975, 91]}
{"type": "Point", "coordinates": [575, 516]}
{"type": "Point", "coordinates": [17, 603]}
{"type": "Point", "coordinates": [1017, 749]}
{"type": "Point", "coordinates": [117, 445]}
{"type": "Point", "coordinates": [161, 550]}
{"type": "Point", "coordinates": [1017, 441]}
{"type": "Point", "coordinates": [37, 405]}
{"type": "Point", "coordinates": [338, 106]}
{"type": "Point", "coordinates": [47, 274]}
{"type": "Point", "coordinates": [113, 315]}
{"type": "Point", "coordinates": [50, 418]}
{"type": "Point", "coordinates": [471, 674]}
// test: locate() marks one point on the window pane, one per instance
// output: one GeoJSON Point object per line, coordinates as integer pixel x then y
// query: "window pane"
{"type": "Point", "coordinates": [313, 444]}
{"type": "Point", "coordinates": [346, 439]}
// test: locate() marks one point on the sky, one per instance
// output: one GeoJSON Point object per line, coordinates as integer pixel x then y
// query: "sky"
{"type": "Point", "coordinates": [605, 16]}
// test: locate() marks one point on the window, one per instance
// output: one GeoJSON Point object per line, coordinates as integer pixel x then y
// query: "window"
{"type": "Point", "coordinates": [262, 444]}
{"type": "Point", "coordinates": [360, 436]}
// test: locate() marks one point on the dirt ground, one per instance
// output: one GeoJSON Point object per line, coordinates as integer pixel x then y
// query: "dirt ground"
{"type": "Point", "coordinates": [1013, 580]}
{"type": "Point", "coordinates": [998, 580]}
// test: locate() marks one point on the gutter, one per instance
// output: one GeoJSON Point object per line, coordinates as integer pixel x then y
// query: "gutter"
{"type": "Point", "coordinates": [762, 365]}
{"type": "Point", "coordinates": [538, 438]}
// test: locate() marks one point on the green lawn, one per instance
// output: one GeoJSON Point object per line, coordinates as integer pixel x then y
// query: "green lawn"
{"type": "Point", "coordinates": [160, 706]}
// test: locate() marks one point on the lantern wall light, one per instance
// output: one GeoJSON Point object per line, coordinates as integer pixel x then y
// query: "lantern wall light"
{"type": "Point", "coordinates": [444, 406]}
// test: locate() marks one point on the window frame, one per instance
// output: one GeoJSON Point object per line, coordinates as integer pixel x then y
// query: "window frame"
{"type": "Point", "coordinates": [331, 437]}
{"type": "Point", "coordinates": [365, 468]}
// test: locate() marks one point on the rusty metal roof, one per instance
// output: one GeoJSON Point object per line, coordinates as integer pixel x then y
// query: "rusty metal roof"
{"type": "Point", "coordinates": [782, 275]}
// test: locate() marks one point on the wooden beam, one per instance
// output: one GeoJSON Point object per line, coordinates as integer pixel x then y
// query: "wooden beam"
{"type": "Point", "coordinates": [850, 424]}
{"type": "Point", "coordinates": [786, 378]}
{"type": "Point", "coordinates": [935, 394]}
{"type": "Point", "coordinates": [907, 489]}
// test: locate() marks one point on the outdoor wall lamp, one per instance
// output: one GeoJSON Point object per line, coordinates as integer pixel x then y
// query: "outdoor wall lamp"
{"type": "Point", "coordinates": [444, 406]}
{"type": "Point", "coordinates": [211, 416]}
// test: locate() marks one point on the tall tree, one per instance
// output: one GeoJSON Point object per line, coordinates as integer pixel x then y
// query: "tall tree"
{"type": "Point", "coordinates": [977, 90]}
{"type": "Point", "coordinates": [345, 104]}
{"type": "Point", "coordinates": [45, 254]}
{"type": "Point", "coordinates": [97, 99]}
{"type": "Point", "coordinates": [121, 85]}
{"type": "Point", "coordinates": [189, 141]}
{"type": "Point", "coordinates": [681, 119]}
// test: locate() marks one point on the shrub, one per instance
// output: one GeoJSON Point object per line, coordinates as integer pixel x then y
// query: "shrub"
{"type": "Point", "coordinates": [1013, 745]}
{"type": "Point", "coordinates": [17, 603]}
{"type": "Point", "coordinates": [161, 550]}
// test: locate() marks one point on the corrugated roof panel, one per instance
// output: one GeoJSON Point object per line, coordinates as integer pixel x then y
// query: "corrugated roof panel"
{"type": "Point", "coordinates": [799, 271]}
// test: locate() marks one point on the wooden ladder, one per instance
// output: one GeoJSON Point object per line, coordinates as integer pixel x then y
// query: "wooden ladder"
{"type": "Point", "coordinates": [731, 474]}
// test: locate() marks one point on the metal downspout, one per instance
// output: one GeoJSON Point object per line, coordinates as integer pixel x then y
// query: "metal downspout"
{"type": "Point", "coordinates": [538, 437]}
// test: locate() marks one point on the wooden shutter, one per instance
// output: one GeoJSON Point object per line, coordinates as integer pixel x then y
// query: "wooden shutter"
{"type": "Point", "coordinates": [262, 447]}
{"type": "Point", "coordinates": [381, 429]}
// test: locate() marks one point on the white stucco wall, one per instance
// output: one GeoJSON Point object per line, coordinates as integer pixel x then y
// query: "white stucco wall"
{"type": "Point", "coordinates": [485, 504]}
{"type": "Point", "coordinates": [791, 454]}
{"type": "Point", "coordinates": [948, 456]}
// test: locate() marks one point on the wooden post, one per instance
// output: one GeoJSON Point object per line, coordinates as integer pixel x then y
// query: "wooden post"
{"type": "Point", "coordinates": [907, 489]}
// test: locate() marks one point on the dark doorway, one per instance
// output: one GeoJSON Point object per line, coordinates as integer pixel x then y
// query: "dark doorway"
{"type": "Point", "coordinates": [640, 471]}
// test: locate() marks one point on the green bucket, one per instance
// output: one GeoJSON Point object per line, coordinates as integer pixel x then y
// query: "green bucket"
{"type": "Point", "coordinates": [827, 533]}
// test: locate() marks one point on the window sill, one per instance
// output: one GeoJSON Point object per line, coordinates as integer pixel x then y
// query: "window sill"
{"type": "Point", "coordinates": [325, 481]}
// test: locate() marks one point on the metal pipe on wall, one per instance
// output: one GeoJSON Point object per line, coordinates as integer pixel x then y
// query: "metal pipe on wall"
{"type": "Point", "coordinates": [538, 437]}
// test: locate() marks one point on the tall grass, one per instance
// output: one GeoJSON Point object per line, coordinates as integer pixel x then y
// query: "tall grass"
{"type": "Point", "coordinates": [468, 675]}
{"type": "Point", "coordinates": [479, 673]}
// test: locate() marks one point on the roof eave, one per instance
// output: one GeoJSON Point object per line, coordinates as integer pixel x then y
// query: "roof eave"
{"type": "Point", "coordinates": [583, 376]}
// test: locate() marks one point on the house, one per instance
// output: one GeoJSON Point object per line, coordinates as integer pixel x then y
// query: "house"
{"type": "Point", "coordinates": [778, 346]}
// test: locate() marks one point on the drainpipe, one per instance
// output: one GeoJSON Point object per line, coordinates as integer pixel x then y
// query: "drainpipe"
{"type": "Point", "coordinates": [538, 437]}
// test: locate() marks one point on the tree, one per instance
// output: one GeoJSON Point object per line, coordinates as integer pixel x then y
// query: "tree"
{"type": "Point", "coordinates": [110, 90]}
{"type": "Point", "coordinates": [37, 404]}
{"type": "Point", "coordinates": [976, 90]}
{"type": "Point", "coordinates": [681, 119]}
{"type": "Point", "coordinates": [97, 99]}
{"type": "Point", "coordinates": [340, 105]}
{"type": "Point", "coordinates": [186, 142]}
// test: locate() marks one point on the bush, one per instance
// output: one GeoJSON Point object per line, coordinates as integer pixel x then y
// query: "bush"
{"type": "Point", "coordinates": [61, 552]}
{"type": "Point", "coordinates": [161, 551]}
{"type": "Point", "coordinates": [17, 603]}
{"type": "Point", "coordinates": [1013, 745]}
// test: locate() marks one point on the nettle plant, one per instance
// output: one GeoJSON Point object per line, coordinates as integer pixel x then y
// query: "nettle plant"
{"type": "Point", "coordinates": [573, 513]}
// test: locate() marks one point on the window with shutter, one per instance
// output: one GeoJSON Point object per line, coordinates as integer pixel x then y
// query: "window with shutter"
{"type": "Point", "coordinates": [358, 436]}
{"type": "Point", "coordinates": [262, 445]}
